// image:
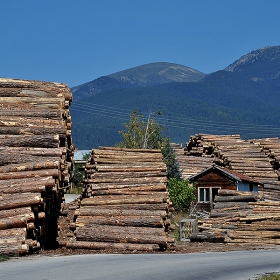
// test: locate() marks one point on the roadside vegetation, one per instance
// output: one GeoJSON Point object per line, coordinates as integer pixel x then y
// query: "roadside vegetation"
{"type": "Point", "coordinates": [77, 187]}
{"type": "Point", "coordinates": [4, 258]}
{"type": "Point", "coordinates": [272, 276]}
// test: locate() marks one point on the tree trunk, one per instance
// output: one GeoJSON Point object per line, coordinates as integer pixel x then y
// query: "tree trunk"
{"type": "Point", "coordinates": [16, 221]}
{"type": "Point", "coordinates": [30, 174]}
{"type": "Point", "coordinates": [97, 211]}
{"type": "Point", "coordinates": [15, 212]}
{"type": "Point", "coordinates": [134, 221]}
{"type": "Point", "coordinates": [13, 248]}
{"type": "Point", "coordinates": [252, 197]}
{"type": "Point", "coordinates": [125, 200]}
{"type": "Point", "coordinates": [111, 246]}
{"type": "Point", "coordinates": [47, 141]}
{"type": "Point", "coordinates": [16, 201]}
{"type": "Point", "coordinates": [121, 234]}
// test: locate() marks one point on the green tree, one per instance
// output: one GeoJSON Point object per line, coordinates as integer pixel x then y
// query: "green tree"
{"type": "Point", "coordinates": [142, 134]}
{"type": "Point", "coordinates": [172, 164]}
{"type": "Point", "coordinates": [79, 175]}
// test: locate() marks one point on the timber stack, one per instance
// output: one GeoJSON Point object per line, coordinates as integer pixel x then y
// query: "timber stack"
{"type": "Point", "coordinates": [125, 202]}
{"type": "Point", "coordinates": [36, 155]}
{"type": "Point", "coordinates": [241, 217]}
{"type": "Point", "coordinates": [255, 158]}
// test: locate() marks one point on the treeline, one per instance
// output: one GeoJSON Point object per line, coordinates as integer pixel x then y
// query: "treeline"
{"type": "Point", "coordinates": [221, 103]}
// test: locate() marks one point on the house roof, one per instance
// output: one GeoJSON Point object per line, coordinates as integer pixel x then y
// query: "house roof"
{"type": "Point", "coordinates": [235, 176]}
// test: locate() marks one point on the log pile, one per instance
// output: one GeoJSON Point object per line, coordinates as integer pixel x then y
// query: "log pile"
{"type": "Point", "coordinates": [125, 203]}
{"type": "Point", "coordinates": [241, 217]}
{"type": "Point", "coordinates": [249, 157]}
{"type": "Point", "coordinates": [191, 165]}
{"type": "Point", "coordinates": [36, 155]}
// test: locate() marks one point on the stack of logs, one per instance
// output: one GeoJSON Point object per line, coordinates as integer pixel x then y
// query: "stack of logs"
{"type": "Point", "coordinates": [191, 165]}
{"type": "Point", "coordinates": [241, 217]}
{"type": "Point", "coordinates": [125, 203]}
{"type": "Point", "coordinates": [36, 155]}
{"type": "Point", "coordinates": [255, 158]}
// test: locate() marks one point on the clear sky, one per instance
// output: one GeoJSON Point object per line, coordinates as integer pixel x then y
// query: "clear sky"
{"type": "Point", "coordinates": [76, 41]}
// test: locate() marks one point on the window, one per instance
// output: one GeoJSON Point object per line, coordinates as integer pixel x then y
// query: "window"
{"type": "Point", "coordinates": [207, 194]}
{"type": "Point", "coordinates": [204, 194]}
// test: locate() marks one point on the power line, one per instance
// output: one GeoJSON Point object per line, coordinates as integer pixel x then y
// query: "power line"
{"type": "Point", "coordinates": [173, 122]}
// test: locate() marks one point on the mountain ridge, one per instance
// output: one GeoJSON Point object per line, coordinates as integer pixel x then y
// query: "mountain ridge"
{"type": "Point", "coordinates": [244, 100]}
{"type": "Point", "coordinates": [140, 76]}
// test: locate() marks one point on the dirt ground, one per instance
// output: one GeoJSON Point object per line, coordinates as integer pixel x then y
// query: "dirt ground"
{"type": "Point", "coordinates": [179, 247]}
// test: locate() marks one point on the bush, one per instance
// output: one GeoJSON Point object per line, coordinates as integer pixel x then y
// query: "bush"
{"type": "Point", "coordinates": [181, 194]}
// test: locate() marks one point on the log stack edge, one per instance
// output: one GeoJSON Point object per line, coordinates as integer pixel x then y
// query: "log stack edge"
{"type": "Point", "coordinates": [36, 162]}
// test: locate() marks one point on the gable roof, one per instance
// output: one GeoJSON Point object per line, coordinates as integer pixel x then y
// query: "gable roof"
{"type": "Point", "coordinates": [230, 174]}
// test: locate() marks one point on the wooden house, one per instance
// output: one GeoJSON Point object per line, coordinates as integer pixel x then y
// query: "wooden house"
{"type": "Point", "coordinates": [210, 180]}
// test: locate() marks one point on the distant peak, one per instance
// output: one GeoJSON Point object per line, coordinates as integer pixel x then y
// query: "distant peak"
{"type": "Point", "coordinates": [268, 53]}
{"type": "Point", "coordinates": [158, 73]}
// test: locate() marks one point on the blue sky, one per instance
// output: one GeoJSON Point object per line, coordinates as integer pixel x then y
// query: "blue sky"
{"type": "Point", "coordinates": [74, 42]}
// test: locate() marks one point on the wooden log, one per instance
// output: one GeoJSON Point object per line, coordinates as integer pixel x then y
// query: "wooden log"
{"type": "Point", "coordinates": [253, 234]}
{"type": "Point", "coordinates": [115, 189]}
{"type": "Point", "coordinates": [126, 191]}
{"type": "Point", "coordinates": [127, 168]}
{"type": "Point", "coordinates": [126, 200]}
{"type": "Point", "coordinates": [13, 248]}
{"type": "Point", "coordinates": [47, 164]}
{"type": "Point", "coordinates": [134, 221]}
{"type": "Point", "coordinates": [118, 175]}
{"type": "Point", "coordinates": [15, 212]}
{"type": "Point", "coordinates": [15, 201]}
{"type": "Point", "coordinates": [19, 130]}
{"type": "Point", "coordinates": [128, 206]}
{"type": "Point", "coordinates": [225, 192]}
{"type": "Point", "coordinates": [35, 102]}
{"type": "Point", "coordinates": [253, 241]}
{"type": "Point", "coordinates": [20, 158]}
{"type": "Point", "coordinates": [233, 198]}
{"type": "Point", "coordinates": [257, 226]}
{"type": "Point", "coordinates": [121, 234]}
{"type": "Point", "coordinates": [30, 174]}
{"type": "Point", "coordinates": [112, 246]}
{"type": "Point", "coordinates": [16, 221]}
{"type": "Point", "coordinates": [128, 150]}
{"type": "Point", "coordinates": [229, 214]}
{"type": "Point", "coordinates": [48, 114]}
{"type": "Point", "coordinates": [20, 189]}
{"type": "Point", "coordinates": [35, 151]}
{"type": "Point", "coordinates": [138, 162]}
{"type": "Point", "coordinates": [25, 182]}
{"type": "Point", "coordinates": [141, 186]}
{"type": "Point", "coordinates": [239, 205]}
{"type": "Point", "coordinates": [147, 180]}
{"type": "Point", "coordinates": [252, 218]}
{"type": "Point", "coordinates": [18, 233]}
{"type": "Point", "coordinates": [211, 236]}
{"type": "Point", "coordinates": [47, 141]}
{"type": "Point", "coordinates": [25, 121]}
{"type": "Point", "coordinates": [109, 211]}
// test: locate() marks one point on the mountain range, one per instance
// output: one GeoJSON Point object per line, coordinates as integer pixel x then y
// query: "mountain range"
{"type": "Point", "coordinates": [241, 99]}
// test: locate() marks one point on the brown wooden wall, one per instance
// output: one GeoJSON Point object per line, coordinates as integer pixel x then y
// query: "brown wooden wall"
{"type": "Point", "coordinates": [211, 180]}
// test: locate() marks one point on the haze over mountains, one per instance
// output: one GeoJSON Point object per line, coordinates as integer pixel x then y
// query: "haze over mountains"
{"type": "Point", "coordinates": [243, 98]}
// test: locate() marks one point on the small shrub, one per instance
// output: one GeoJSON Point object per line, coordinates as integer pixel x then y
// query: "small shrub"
{"type": "Point", "coordinates": [181, 194]}
{"type": "Point", "coordinates": [4, 258]}
{"type": "Point", "coordinates": [272, 276]}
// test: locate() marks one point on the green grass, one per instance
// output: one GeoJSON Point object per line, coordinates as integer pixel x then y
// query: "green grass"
{"type": "Point", "coordinates": [272, 276]}
{"type": "Point", "coordinates": [4, 258]}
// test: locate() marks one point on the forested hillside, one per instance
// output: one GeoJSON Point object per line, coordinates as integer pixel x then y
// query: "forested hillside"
{"type": "Point", "coordinates": [243, 98]}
